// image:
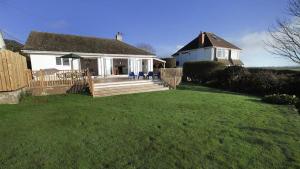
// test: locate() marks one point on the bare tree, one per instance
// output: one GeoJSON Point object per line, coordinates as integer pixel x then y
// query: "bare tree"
{"type": "Point", "coordinates": [285, 36]}
{"type": "Point", "coordinates": [146, 47]}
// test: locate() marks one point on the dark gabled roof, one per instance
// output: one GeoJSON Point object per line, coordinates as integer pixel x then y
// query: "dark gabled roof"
{"type": "Point", "coordinates": [13, 45]}
{"type": "Point", "coordinates": [210, 39]}
{"type": "Point", "coordinates": [43, 41]}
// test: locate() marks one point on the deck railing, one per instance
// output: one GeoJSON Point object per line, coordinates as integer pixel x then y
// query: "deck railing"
{"type": "Point", "coordinates": [54, 78]}
{"type": "Point", "coordinates": [171, 76]}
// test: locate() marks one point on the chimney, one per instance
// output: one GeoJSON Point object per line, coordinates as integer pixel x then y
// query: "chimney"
{"type": "Point", "coordinates": [119, 36]}
{"type": "Point", "coordinates": [202, 38]}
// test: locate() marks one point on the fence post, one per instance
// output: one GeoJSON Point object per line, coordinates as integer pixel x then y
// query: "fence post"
{"type": "Point", "coordinates": [175, 82]}
{"type": "Point", "coordinates": [28, 77]}
{"type": "Point", "coordinates": [42, 79]}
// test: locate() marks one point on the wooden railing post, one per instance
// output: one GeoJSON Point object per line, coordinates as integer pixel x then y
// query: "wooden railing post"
{"type": "Point", "coordinates": [90, 82]}
{"type": "Point", "coordinates": [42, 79]}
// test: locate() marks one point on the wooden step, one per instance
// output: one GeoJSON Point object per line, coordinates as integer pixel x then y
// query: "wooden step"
{"type": "Point", "coordinates": [126, 83]}
{"type": "Point", "coordinates": [127, 87]}
{"type": "Point", "coordinates": [130, 92]}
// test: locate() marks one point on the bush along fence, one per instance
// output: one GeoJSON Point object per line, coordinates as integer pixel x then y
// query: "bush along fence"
{"type": "Point", "coordinates": [13, 71]}
{"type": "Point", "coordinates": [239, 79]}
{"type": "Point", "coordinates": [171, 76]}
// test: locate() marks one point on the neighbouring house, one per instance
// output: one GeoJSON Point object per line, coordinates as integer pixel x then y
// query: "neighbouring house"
{"type": "Point", "coordinates": [209, 47]}
{"type": "Point", "coordinates": [103, 57]}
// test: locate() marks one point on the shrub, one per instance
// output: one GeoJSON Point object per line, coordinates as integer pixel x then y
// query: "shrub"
{"type": "Point", "coordinates": [292, 85]}
{"type": "Point", "coordinates": [280, 99]}
{"type": "Point", "coordinates": [170, 62]}
{"type": "Point", "coordinates": [298, 106]}
{"type": "Point", "coordinates": [230, 77]}
{"type": "Point", "coordinates": [201, 71]}
{"type": "Point", "coordinates": [261, 83]}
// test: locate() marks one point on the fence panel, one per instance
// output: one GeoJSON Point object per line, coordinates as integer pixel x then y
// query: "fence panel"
{"type": "Point", "coordinates": [13, 71]}
{"type": "Point", "coordinates": [171, 76]}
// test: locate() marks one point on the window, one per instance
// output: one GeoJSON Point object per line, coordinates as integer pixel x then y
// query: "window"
{"type": "Point", "coordinates": [66, 61]}
{"type": "Point", "coordinates": [219, 53]}
{"type": "Point", "coordinates": [222, 53]}
{"type": "Point", "coordinates": [58, 61]}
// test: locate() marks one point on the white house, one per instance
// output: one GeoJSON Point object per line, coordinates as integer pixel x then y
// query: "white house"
{"type": "Point", "coordinates": [208, 47]}
{"type": "Point", "coordinates": [103, 57]}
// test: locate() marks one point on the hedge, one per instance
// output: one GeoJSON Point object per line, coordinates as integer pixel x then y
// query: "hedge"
{"type": "Point", "coordinates": [283, 99]}
{"type": "Point", "coordinates": [239, 79]}
{"type": "Point", "coordinates": [170, 62]}
{"type": "Point", "coordinates": [200, 71]}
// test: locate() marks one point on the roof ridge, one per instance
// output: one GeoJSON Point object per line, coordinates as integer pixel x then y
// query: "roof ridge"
{"type": "Point", "coordinates": [74, 35]}
{"type": "Point", "coordinates": [46, 41]}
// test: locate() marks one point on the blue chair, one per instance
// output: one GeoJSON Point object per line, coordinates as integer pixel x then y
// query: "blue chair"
{"type": "Point", "coordinates": [141, 74]}
{"type": "Point", "coordinates": [132, 75]}
{"type": "Point", "coordinates": [150, 74]}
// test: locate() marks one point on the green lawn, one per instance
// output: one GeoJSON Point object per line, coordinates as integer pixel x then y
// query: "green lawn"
{"type": "Point", "coordinates": [173, 129]}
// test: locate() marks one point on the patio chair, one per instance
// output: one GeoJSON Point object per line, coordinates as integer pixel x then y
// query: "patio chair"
{"type": "Point", "coordinates": [131, 75]}
{"type": "Point", "coordinates": [150, 74]}
{"type": "Point", "coordinates": [141, 74]}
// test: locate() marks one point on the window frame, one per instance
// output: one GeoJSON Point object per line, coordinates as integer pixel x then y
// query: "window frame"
{"type": "Point", "coordinates": [58, 59]}
{"type": "Point", "coordinates": [224, 53]}
{"type": "Point", "coordinates": [66, 59]}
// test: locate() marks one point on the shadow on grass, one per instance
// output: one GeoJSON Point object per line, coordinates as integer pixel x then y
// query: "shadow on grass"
{"type": "Point", "coordinates": [266, 131]}
{"type": "Point", "coordinates": [200, 88]}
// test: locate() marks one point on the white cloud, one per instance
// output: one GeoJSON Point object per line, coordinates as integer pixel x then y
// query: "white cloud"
{"type": "Point", "coordinates": [254, 51]}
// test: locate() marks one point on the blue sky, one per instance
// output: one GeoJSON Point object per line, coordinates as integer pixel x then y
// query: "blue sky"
{"type": "Point", "coordinates": [165, 24]}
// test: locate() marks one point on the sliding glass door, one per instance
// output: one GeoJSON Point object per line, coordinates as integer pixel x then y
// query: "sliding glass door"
{"type": "Point", "coordinates": [107, 66]}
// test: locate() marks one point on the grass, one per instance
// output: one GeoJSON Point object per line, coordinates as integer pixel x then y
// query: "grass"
{"type": "Point", "coordinates": [195, 127]}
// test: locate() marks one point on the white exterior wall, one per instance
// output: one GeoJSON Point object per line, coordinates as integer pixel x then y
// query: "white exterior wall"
{"type": "Point", "coordinates": [2, 44]}
{"type": "Point", "coordinates": [49, 62]}
{"type": "Point", "coordinates": [201, 54]}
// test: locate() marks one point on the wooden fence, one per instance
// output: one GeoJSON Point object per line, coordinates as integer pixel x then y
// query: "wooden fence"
{"type": "Point", "coordinates": [171, 76]}
{"type": "Point", "coordinates": [13, 71]}
{"type": "Point", "coordinates": [56, 78]}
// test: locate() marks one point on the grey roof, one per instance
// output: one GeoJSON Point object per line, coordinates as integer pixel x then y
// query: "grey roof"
{"type": "Point", "coordinates": [43, 41]}
{"type": "Point", "coordinates": [210, 39]}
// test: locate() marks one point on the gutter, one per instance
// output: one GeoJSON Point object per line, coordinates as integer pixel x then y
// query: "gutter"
{"type": "Point", "coordinates": [85, 54]}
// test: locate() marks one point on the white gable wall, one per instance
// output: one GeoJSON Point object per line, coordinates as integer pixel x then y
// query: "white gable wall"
{"type": "Point", "coordinates": [201, 54]}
